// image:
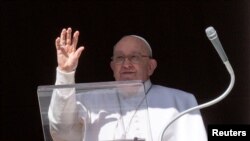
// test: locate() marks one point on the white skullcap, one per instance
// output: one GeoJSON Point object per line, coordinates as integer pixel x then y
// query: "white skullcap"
{"type": "Point", "coordinates": [146, 42]}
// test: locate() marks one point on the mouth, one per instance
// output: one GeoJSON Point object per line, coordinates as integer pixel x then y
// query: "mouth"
{"type": "Point", "coordinates": [127, 75]}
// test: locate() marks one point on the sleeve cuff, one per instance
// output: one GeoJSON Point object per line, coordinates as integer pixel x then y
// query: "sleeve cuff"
{"type": "Point", "coordinates": [63, 78]}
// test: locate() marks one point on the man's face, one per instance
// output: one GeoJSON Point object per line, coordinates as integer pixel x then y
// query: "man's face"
{"type": "Point", "coordinates": [131, 60]}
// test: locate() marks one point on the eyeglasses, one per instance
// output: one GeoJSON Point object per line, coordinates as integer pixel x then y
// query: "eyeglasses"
{"type": "Point", "coordinates": [135, 59]}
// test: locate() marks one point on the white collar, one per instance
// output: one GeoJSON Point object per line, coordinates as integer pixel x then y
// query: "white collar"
{"type": "Point", "coordinates": [147, 85]}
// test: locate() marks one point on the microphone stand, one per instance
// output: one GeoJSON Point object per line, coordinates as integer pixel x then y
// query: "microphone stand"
{"type": "Point", "coordinates": [207, 104]}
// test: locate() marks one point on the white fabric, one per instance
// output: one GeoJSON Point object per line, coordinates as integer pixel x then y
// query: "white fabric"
{"type": "Point", "coordinates": [163, 104]}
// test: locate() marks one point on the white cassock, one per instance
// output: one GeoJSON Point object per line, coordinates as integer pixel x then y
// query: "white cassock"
{"type": "Point", "coordinates": [70, 120]}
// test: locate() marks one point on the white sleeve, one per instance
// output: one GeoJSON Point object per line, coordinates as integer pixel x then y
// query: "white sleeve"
{"type": "Point", "coordinates": [63, 115]}
{"type": "Point", "coordinates": [64, 77]}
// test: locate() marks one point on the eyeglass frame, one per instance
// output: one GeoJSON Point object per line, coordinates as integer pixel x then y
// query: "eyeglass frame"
{"type": "Point", "coordinates": [137, 58]}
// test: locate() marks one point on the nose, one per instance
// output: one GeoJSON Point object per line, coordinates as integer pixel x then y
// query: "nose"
{"type": "Point", "coordinates": [126, 63]}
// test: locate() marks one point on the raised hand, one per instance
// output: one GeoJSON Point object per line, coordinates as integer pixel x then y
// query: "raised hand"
{"type": "Point", "coordinates": [67, 54]}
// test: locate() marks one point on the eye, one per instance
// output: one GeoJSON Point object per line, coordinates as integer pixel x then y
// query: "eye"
{"type": "Point", "coordinates": [119, 58]}
{"type": "Point", "coordinates": [134, 57]}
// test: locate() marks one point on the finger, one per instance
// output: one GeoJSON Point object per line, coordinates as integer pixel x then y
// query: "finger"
{"type": "Point", "coordinates": [57, 43]}
{"type": "Point", "coordinates": [79, 51]}
{"type": "Point", "coordinates": [59, 47]}
{"type": "Point", "coordinates": [63, 38]}
{"type": "Point", "coordinates": [68, 40]}
{"type": "Point", "coordinates": [75, 39]}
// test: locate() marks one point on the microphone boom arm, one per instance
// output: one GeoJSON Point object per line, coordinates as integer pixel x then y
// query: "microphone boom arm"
{"type": "Point", "coordinates": [209, 103]}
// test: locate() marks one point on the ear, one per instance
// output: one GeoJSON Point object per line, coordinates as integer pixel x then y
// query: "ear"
{"type": "Point", "coordinates": [152, 66]}
{"type": "Point", "coordinates": [111, 65]}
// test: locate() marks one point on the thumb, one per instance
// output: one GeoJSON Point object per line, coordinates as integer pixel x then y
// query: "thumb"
{"type": "Point", "coordinates": [79, 51]}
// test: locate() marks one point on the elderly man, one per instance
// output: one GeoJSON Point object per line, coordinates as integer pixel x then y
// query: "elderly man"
{"type": "Point", "coordinates": [132, 60]}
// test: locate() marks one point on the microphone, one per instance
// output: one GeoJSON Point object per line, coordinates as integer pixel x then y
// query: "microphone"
{"type": "Point", "coordinates": [213, 37]}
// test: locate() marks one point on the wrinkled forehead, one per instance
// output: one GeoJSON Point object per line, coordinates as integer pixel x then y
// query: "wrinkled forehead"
{"type": "Point", "coordinates": [132, 44]}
